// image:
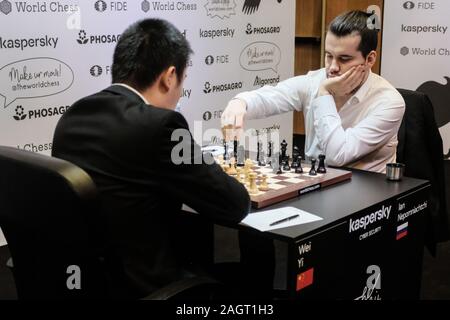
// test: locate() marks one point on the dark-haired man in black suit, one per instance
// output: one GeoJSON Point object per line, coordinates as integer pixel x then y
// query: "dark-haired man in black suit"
{"type": "Point", "coordinates": [122, 136]}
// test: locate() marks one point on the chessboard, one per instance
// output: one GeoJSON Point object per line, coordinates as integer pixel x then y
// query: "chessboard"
{"type": "Point", "coordinates": [289, 184]}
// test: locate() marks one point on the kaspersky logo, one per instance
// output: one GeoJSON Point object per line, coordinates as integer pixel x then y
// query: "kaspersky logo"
{"type": "Point", "coordinates": [5, 7]}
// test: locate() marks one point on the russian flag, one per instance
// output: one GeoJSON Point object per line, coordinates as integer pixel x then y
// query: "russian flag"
{"type": "Point", "coordinates": [402, 231]}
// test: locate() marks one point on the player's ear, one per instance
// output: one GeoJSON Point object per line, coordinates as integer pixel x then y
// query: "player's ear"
{"type": "Point", "coordinates": [168, 78]}
{"type": "Point", "coordinates": [371, 58]}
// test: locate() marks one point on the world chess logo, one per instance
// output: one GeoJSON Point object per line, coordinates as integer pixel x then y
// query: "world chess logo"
{"type": "Point", "coordinates": [20, 114]}
{"type": "Point", "coordinates": [209, 60]}
{"type": "Point", "coordinates": [82, 37]}
{"type": "Point", "coordinates": [96, 71]}
{"type": "Point", "coordinates": [145, 6]}
{"type": "Point", "coordinates": [5, 7]}
{"type": "Point", "coordinates": [207, 88]}
{"type": "Point", "coordinates": [404, 51]}
{"type": "Point", "coordinates": [100, 6]}
{"type": "Point", "coordinates": [207, 116]}
{"type": "Point", "coordinates": [409, 5]}
{"type": "Point", "coordinates": [249, 29]}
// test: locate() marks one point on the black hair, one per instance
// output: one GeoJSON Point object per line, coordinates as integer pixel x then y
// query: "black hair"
{"type": "Point", "coordinates": [147, 48]}
{"type": "Point", "coordinates": [356, 21]}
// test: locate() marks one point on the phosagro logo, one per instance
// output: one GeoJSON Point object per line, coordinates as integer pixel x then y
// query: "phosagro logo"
{"type": "Point", "coordinates": [5, 7]}
{"type": "Point", "coordinates": [100, 6]}
{"type": "Point", "coordinates": [45, 112]}
{"type": "Point", "coordinates": [222, 87]}
{"type": "Point", "coordinates": [83, 38]}
{"type": "Point", "coordinates": [262, 30]}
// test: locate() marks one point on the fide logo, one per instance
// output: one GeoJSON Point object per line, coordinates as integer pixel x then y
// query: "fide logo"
{"type": "Point", "coordinates": [409, 5]}
{"type": "Point", "coordinates": [96, 71]}
{"type": "Point", "coordinates": [5, 7]}
{"type": "Point", "coordinates": [249, 29]}
{"type": "Point", "coordinates": [145, 6]}
{"type": "Point", "coordinates": [100, 6]}
{"type": "Point", "coordinates": [20, 114]}
{"type": "Point", "coordinates": [207, 88]}
{"type": "Point", "coordinates": [82, 37]}
{"type": "Point", "coordinates": [209, 60]}
{"type": "Point", "coordinates": [207, 116]}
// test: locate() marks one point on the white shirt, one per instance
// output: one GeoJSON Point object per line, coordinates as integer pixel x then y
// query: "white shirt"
{"type": "Point", "coordinates": [363, 134]}
{"type": "Point", "coordinates": [131, 89]}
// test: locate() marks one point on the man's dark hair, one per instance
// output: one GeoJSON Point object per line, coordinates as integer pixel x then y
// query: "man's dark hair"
{"type": "Point", "coordinates": [356, 21]}
{"type": "Point", "coordinates": [147, 48]}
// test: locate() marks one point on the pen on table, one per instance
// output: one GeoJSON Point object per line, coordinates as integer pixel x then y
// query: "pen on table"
{"type": "Point", "coordinates": [284, 220]}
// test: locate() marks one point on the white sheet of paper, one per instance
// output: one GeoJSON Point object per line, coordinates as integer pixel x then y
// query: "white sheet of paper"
{"type": "Point", "coordinates": [261, 220]}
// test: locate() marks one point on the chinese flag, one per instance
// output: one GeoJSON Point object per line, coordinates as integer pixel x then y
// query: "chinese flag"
{"type": "Point", "coordinates": [305, 279]}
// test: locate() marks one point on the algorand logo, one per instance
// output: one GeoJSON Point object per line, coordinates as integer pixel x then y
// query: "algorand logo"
{"type": "Point", "coordinates": [222, 87]}
{"type": "Point", "coordinates": [39, 113]}
{"type": "Point", "coordinates": [5, 7]}
{"type": "Point", "coordinates": [261, 82]}
{"type": "Point", "coordinates": [262, 30]}
{"type": "Point", "coordinates": [83, 38]}
{"type": "Point", "coordinates": [367, 220]}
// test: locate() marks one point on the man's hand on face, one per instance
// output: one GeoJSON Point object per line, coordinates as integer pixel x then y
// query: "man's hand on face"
{"type": "Point", "coordinates": [344, 85]}
{"type": "Point", "coordinates": [233, 119]}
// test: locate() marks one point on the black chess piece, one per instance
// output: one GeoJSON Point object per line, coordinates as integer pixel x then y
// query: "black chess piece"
{"type": "Point", "coordinates": [298, 165]}
{"type": "Point", "coordinates": [321, 168]}
{"type": "Point", "coordinates": [235, 146]}
{"type": "Point", "coordinates": [269, 153]}
{"type": "Point", "coordinates": [279, 165]}
{"type": "Point", "coordinates": [258, 152]}
{"type": "Point", "coordinates": [225, 151]}
{"type": "Point", "coordinates": [262, 162]}
{"type": "Point", "coordinates": [283, 150]}
{"type": "Point", "coordinates": [295, 155]}
{"type": "Point", "coordinates": [313, 172]}
{"type": "Point", "coordinates": [286, 166]}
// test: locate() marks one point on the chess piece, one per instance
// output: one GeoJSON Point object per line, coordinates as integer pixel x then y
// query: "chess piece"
{"type": "Point", "coordinates": [279, 164]}
{"type": "Point", "coordinates": [240, 156]}
{"type": "Point", "coordinates": [313, 172]}
{"type": "Point", "coordinates": [298, 165]}
{"type": "Point", "coordinates": [238, 174]}
{"type": "Point", "coordinates": [258, 151]}
{"type": "Point", "coordinates": [253, 189]}
{"type": "Point", "coordinates": [269, 153]}
{"type": "Point", "coordinates": [261, 162]}
{"type": "Point", "coordinates": [235, 147]}
{"type": "Point", "coordinates": [286, 166]}
{"type": "Point", "coordinates": [283, 150]}
{"type": "Point", "coordinates": [274, 161]}
{"type": "Point", "coordinates": [295, 155]}
{"type": "Point", "coordinates": [220, 160]}
{"type": "Point", "coordinates": [232, 170]}
{"type": "Point", "coordinates": [264, 186]}
{"type": "Point", "coordinates": [225, 151]}
{"type": "Point", "coordinates": [321, 168]}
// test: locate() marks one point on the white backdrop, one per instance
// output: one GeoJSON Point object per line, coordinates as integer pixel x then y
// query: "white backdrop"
{"type": "Point", "coordinates": [416, 53]}
{"type": "Point", "coordinates": [52, 53]}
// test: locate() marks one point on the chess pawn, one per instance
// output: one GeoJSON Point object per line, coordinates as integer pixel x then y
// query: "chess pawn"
{"type": "Point", "coordinates": [321, 168]}
{"type": "Point", "coordinates": [238, 175]}
{"type": "Point", "coordinates": [298, 165]}
{"type": "Point", "coordinates": [264, 186]}
{"type": "Point", "coordinates": [283, 150]}
{"type": "Point", "coordinates": [313, 172]}
{"type": "Point", "coordinates": [253, 189]}
{"type": "Point", "coordinates": [286, 166]}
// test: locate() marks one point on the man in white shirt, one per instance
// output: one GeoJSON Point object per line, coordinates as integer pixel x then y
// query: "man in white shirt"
{"type": "Point", "coordinates": [351, 114]}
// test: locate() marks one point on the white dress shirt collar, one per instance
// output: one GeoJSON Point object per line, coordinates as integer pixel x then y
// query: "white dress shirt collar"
{"type": "Point", "coordinates": [131, 89]}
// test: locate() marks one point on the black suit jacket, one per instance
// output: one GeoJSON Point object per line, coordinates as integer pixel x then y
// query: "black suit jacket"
{"type": "Point", "coordinates": [420, 148]}
{"type": "Point", "coordinates": [125, 145]}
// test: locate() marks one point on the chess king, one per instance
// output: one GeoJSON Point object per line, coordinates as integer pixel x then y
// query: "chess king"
{"type": "Point", "coordinates": [351, 114]}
